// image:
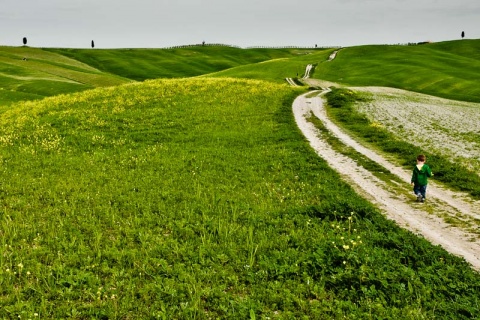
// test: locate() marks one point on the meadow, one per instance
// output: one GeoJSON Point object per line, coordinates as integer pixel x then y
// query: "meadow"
{"type": "Point", "coordinates": [143, 64]}
{"type": "Point", "coordinates": [34, 73]}
{"type": "Point", "coordinates": [447, 69]}
{"type": "Point", "coordinates": [31, 73]}
{"type": "Point", "coordinates": [199, 198]}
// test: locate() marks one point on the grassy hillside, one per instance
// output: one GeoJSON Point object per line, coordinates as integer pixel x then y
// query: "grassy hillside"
{"type": "Point", "coordinates": [276, 70]}
{"type": "Point", "coordinates": [30, 73]}
{"type": "Point", "coordinates": [142, 64]}
{"type": "Point", "coordinates": [447, 69]}
{"type": "Point", "coordinates": [49, 72]}
{"type": "Point", "coordinates": [467, 48]}
{"type": "Point", "coordinates": [199, 199]}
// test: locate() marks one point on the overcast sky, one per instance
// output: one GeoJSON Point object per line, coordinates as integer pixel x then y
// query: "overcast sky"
{"type": "Point", "coordinates": [244, 23]}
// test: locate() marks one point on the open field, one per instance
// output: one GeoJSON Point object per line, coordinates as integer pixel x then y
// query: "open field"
{"type": "Point", "coordinates": [29, 74]}
{"type": "Point", "coordinates": [49, 72]}
{"type": "Point", "coordinates": [275, 70]}
{"type": "Point", "coordinates": [142, 64]}
{"type": "Point", "coordinates": [447, 69]}
{"type": "Point", "coordinates": [199, 198]}
{"type": "Point", "coordinates": [153, 220]}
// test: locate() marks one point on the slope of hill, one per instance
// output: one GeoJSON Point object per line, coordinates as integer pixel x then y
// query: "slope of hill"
{"type": "Point", "coordinates": [447, 69]}
{"type": "Point", "coordinates": [141, 64]}
{"type": "Point", "coordinates": [275, 69]}
{"type": "Point", "coordinates": [30, 73]}
{"type": "Point", "coordinates": [469, 48]}
{"type": "Point", "coordinates": [196, 199]}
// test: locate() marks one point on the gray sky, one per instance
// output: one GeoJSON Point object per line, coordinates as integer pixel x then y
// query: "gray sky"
{"type": "Point", "coordinates": [244, 23]}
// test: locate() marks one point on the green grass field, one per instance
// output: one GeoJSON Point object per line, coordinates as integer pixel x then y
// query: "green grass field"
{"type": "Point", "coordinates": [30, 73]}
{"type": "Point", "coordinates": [142, 64]}
{"type": "Point", "coordinates": [448, 69]}
{"type": "Point", "coordinates": [199, 198]}
{"type": "Point", "coordinates": [275, 70]}
{"type": "Point", "coordinates": [49, 72]}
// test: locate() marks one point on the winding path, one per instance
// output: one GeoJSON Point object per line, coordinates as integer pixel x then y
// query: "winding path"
{"type": "Point", "coordinates": [402, 209]}
{"type": "Point", "coordinates": [333, 55]}
{"type": "Point", "coordinates": [308, 71]}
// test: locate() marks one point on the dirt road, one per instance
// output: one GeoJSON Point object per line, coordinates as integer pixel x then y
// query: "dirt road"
{"type": "Point", "coordinates": [401, 208]}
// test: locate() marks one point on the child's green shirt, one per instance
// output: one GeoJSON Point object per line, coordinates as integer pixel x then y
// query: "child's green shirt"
{"type": "Point", "coordinates": [420, 175]}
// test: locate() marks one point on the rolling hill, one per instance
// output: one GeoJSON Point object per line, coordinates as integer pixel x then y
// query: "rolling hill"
{"type": "Point", "coordinates": [31, 73]}
{"type": "Point", "coordinates": [445, 69]}
{"type": "Point", "coordinates": [189, 61]}
{"type": "Point", "coordinates": [198, 197]}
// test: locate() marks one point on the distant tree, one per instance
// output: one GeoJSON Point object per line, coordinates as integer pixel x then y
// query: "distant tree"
{"type": "Point", "coordinates": [463, 34]}
{"type": "Point", "coordinates": [203, 43]}
{"type": "Point", "coordinates": [93, 44]}
{"type": "Point", "coordinates": [24, 41]}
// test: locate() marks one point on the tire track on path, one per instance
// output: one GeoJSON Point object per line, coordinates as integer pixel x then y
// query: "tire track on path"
{"type": "Point", "coordinates": [396, 207]}
{"type": "Point", "coordinates": [308, 70]}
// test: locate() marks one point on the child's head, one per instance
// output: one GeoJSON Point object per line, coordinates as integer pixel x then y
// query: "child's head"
{"type": "Point", "coordinates": [421, 158]}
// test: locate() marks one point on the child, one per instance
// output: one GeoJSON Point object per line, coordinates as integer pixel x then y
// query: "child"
{"type": "Point", "coordinates": [421, 173]}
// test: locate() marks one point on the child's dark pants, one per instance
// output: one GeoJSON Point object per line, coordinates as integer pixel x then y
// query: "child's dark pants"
{"type": "Point", "coordinates": [422, 190]}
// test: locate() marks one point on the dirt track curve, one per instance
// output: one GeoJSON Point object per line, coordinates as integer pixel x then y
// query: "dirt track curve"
{"type": "Point", "coordinates": [400, 208]}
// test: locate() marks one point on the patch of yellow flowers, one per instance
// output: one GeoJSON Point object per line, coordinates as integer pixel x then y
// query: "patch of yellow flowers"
{"type": "Point", "coordinates": [347, 238]}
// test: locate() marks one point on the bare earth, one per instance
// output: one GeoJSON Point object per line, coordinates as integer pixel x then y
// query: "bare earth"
{"type": "Point", "coordinates": [428, 219]}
